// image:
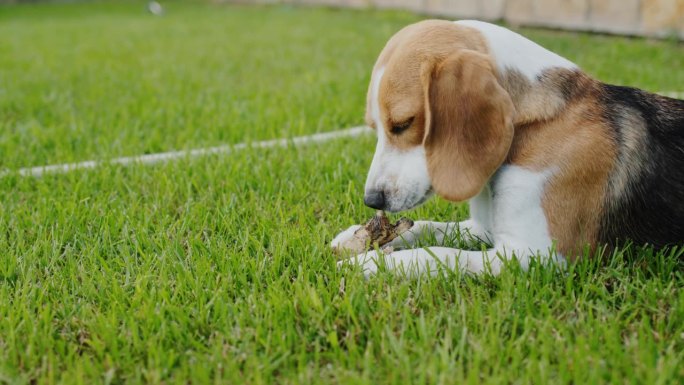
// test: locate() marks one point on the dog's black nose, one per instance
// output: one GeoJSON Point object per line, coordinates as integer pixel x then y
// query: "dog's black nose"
{"type": "Point", "coordinates": [375, 199]}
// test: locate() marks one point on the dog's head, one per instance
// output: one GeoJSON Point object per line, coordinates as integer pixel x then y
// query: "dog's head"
{"type": "Point", "coordinates": [443, 121]}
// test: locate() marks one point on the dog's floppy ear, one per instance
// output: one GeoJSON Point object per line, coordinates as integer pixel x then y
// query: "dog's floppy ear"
{"type": "Point", "coordinates": [468, 125]}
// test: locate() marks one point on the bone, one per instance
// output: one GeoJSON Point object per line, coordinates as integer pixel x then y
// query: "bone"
{"type": "Point", "coordinates": [377, 232]}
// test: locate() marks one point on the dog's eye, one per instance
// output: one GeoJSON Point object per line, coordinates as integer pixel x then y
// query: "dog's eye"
{"type": "Point", "coordinates": [398, 128]}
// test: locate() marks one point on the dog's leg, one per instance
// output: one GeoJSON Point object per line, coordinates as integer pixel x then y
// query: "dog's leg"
{"type": "Point", "coordinates": [344, 236]}
{"type": "Point", "coordinates": [440, 230]}
{"type": "Point", "coordinates": [433, 260]}
{"type": "Point", "coordinates": [422, 229]}
{"type": "Point", "coordinates": [427, 261]}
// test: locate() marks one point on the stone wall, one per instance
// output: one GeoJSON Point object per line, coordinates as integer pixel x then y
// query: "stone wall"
{"type": "Point", "coordinates": [658, 18]}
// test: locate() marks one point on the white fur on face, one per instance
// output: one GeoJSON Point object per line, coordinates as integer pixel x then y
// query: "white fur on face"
{"type": "Point", "coordinates": [401, 174]}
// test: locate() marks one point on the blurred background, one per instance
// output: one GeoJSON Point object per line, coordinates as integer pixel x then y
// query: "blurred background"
{"type": "Point", "coordinates": [658, 18]}
{"type": "Point", "coordinates": [632, 17]}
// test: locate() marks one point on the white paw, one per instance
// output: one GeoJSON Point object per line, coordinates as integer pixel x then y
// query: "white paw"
{"type": "Point", "coordinates": [343, 238]}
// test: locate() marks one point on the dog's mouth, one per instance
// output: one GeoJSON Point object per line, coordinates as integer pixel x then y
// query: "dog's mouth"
{"type": "Point", "coordinates": [411, 202]}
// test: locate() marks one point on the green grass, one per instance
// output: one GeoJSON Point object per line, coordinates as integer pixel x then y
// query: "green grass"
{"type": "Point", "coordinates": [216, 270]}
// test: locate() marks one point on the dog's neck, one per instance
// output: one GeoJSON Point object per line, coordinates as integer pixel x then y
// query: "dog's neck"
{"type": "Point", "coordinates": [546, 96]}
{"type": "Point", "coordinates": [539, 81]}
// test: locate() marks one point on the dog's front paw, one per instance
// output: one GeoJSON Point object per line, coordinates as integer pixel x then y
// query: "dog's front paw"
{"type": "Point", "coordinates": [343, 238]}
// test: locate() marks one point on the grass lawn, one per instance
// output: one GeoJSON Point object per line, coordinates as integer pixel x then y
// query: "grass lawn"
{"type": "Point", "coordinates": [216, 270]}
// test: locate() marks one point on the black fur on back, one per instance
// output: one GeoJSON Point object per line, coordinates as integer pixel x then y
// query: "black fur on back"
{"type": "Point", "coordinates": [649, 207]}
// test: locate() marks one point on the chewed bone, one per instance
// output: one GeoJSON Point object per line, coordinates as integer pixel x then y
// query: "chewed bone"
{"type": "Point", "coordinates": [376, 232]}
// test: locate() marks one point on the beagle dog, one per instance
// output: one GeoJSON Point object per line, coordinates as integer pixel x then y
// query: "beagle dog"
{"type": "Point", "coordinates": [554, 164]}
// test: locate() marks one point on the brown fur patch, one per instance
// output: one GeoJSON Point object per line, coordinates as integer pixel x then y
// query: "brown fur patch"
{"type": "Point", "coordinates": [577, 145]}
{"type": "Point", "coordinates": [544, 98]}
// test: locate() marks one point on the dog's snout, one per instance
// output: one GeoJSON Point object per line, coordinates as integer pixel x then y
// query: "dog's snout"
{"type": "Point", "coordinates": [375, 199]}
